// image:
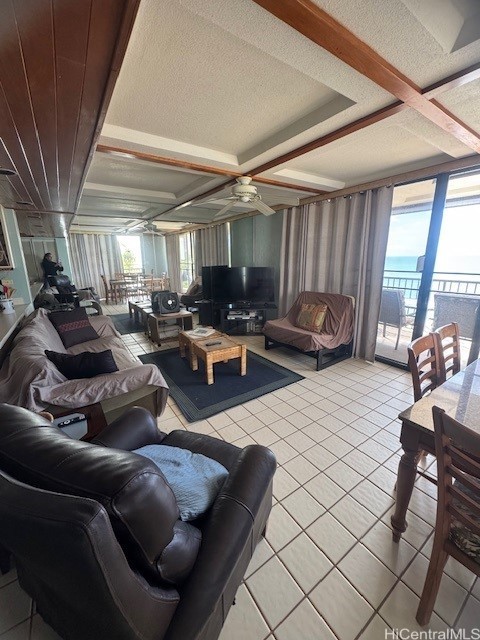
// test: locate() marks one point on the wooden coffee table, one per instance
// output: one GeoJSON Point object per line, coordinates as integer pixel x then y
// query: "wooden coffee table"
{"type": "Point", "coordinates": [185, 341]}
{"type": "Point", "coordinates": [223, 350]}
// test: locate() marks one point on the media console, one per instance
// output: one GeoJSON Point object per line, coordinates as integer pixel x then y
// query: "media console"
{"type": "Point", "coordinates": [236, 318]}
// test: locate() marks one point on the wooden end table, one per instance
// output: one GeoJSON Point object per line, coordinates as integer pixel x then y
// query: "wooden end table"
{"type": "Point", "coordinates": [223, 351]}
{"type": "Point", "coordinates": [96, 420]}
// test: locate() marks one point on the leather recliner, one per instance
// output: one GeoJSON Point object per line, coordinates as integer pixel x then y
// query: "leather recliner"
{"type": "Point", "coordinates": [95, 534]}
{"type": "Point", "coordinates": [67, 292]}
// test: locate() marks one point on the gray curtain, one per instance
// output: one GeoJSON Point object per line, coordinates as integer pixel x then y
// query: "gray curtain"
{"type": "Point", "coordinates": [338, 246]}
{"type": "Point", "coordinates": [211, 246]}
{"type": "Point", "coordinates": [94, 255]}
{"type": "Point", "coordinates": [172, 244]}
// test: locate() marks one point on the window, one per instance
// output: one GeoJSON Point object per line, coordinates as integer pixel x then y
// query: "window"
{"type": "Point", "coordinates": [131, 253]}
{"type": "Point", "coordinates": [187, 271]}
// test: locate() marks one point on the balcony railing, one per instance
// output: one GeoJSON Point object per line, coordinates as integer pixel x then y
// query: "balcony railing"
{"type": "Point", "coordinates": [453, 297]}
{"type": "Point", "coordinates": [443, 282]}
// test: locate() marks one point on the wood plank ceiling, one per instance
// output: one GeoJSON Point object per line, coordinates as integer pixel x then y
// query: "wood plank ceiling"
{"type": "Point", "coordinates": [59, 60]}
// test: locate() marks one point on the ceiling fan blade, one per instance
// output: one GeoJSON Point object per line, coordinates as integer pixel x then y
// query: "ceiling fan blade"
{"type": "Point", "coordinates": [225, 209]}
{"type": "Point", "coordinates": [262, 207]}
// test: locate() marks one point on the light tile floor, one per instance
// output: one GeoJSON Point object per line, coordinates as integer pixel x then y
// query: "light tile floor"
{"type": "Point", "coordinates": [328, 567]}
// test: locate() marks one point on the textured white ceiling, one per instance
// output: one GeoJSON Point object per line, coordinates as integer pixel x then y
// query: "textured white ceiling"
{"type": "Point", "coordinates": [386, 148]}
{"type": "Point", "coordinates": [224, 83]}
{"type": "Point", "coordinates": [110, 170]}
{"type": "Point", "coordinates": [390, 28]}
{"type": "Point", "coordinates": [465, 101]}
{"type": "Point", "coordinates": [260, 96]}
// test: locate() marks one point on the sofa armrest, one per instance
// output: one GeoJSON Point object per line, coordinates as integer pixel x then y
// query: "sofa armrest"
{"type": "Point", "coordinates": [230, 533]}
{"type": "Point", "coordinates": [221, 451]}
{"type": "Point", "coordinates": [134, 429]}
{"type": "Point", "coordinates": [252, 471]}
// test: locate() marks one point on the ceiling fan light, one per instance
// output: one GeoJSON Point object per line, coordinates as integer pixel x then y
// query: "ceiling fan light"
{"type": "Point", "coordinates": [245, 199]}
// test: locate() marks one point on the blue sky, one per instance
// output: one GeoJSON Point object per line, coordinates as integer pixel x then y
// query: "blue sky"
{"type": "Point", "coordinates": [459, 240]}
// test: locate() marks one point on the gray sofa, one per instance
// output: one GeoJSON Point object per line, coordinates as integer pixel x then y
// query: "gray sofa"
{"type": "Point", "coordinates": [28, 379]}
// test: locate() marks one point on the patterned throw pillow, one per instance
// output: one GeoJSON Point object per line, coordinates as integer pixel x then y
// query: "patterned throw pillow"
{"type": "Point", "coordinates": [73, 327]}
{"type": "Point", "coordinates": [311, 317]}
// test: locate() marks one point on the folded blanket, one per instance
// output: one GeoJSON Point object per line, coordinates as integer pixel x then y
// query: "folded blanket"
{"type": "Point", "coordinates": [194, 479]}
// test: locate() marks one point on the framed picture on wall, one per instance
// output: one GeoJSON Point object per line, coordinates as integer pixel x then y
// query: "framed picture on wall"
{"type": "Point", "coordinates": [6, 261]}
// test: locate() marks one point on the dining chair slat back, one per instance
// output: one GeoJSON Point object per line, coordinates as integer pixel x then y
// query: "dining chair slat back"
{"type": "Point", "coordinates": [423, 365]}
{"type": "Point", "coordinates": [457, 527]}
{"type": "Point", "coordinates": [448, 350]}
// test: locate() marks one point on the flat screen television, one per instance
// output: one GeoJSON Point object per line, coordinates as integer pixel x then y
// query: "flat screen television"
{"type": "Point", "coordinates": [238, 284]}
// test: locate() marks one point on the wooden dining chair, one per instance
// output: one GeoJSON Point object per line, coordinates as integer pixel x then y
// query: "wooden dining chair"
{"type": "Point", "coordinates": [108, 291]}
{"type": "Point", "coordinates": [423, 365]}
{"type": "Point", "coordinates": [448, 350]}
{"type": "Point", "coordinates": [457, 527]}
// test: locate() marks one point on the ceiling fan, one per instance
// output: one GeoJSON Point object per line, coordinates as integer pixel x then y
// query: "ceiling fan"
{"type": "Point", "coordinates": [150, 229]}
{"type": "Point", "coordinates": [243, 191]}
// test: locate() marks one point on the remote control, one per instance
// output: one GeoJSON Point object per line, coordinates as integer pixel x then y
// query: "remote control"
{"type": "Point", "coordinates": [70, 419]}
{"type": "Point", "coordinates": [210, 344]}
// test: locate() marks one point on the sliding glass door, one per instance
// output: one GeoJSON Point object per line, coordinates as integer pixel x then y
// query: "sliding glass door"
{"type": "Point", "coordinates": [432, 266]}
{"type": "Point", "coordinates": [406, 249]}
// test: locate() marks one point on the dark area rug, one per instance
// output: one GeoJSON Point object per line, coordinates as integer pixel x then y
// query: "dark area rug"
{"type": "Point", "coordinates": [198, 401]}
{"type": "Point", "coordinates": [124, 324]}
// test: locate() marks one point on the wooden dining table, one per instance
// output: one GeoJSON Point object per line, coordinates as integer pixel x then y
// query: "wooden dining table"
{"type": "Point", "coordinates": [459, 396]}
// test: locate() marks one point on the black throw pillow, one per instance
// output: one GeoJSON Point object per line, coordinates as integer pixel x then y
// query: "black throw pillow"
{"type": "Point", "coordinates": [84, 365]}
{"type": "Point", "coordinates": [73, 327]}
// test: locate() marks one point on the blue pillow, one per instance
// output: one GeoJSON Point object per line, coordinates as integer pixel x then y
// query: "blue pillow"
{"type": "Point", "coordinates": [194, 479]}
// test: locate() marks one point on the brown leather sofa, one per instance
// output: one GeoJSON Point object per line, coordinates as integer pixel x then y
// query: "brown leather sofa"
{"type": "Point", "coordinates": [95, 534]}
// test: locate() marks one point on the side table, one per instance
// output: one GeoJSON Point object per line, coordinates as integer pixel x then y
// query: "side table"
{"type": "Point", "coordinates": [96, 420]}
{"type": "Point", "coordinates": [157, 323]}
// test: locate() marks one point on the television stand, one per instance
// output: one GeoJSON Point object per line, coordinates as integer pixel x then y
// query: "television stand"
{"type": "Point", "coordinates": [244, 320]}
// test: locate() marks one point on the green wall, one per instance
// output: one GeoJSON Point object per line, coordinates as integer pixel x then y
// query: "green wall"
{"type": "Point", "coordinates": [19, 273]}
{"type": "Point", "coordinates": [256, 242]}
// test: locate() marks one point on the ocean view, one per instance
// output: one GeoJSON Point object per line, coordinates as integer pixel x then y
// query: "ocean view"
{"type": "Point", "coordinates": [448, 267]}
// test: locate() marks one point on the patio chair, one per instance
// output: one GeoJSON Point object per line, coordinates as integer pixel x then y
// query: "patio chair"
{"type": "Point", "coordinates": [392, 311]}
{"type": "Point", "coordinates": [457, 527]}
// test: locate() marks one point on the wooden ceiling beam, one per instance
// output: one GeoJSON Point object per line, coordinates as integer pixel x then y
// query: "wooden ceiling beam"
{"type": "Point", "coordinates": [193, 166]}
{"type": "Point", "coordinates": [446, 84]}
{"type": "Point", "coordinates": [352, 127]}
{"type": "Point", "coordinates": [453, 82]}
{"type": "Point", "coordinates": [318, 26]}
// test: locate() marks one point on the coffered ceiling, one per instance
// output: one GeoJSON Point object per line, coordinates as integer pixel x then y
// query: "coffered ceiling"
{"type": "Point", "coordinates": [308, 97]}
